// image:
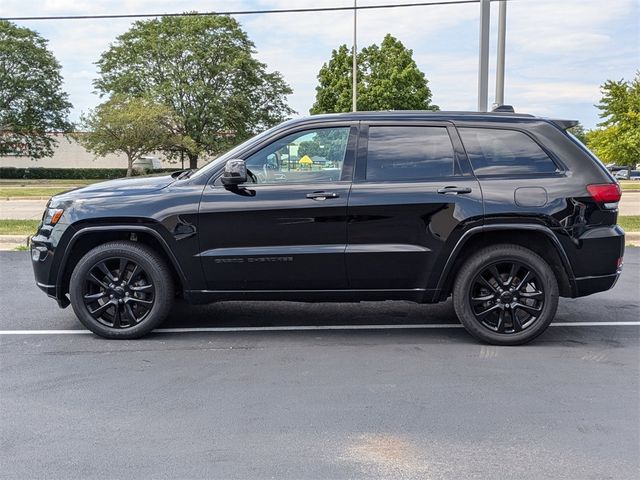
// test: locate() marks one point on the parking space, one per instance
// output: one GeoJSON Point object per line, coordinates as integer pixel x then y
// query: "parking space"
{"type": "Point", "coordinates": [397, 391]}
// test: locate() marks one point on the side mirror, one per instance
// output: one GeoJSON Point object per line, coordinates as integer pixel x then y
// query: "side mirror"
{"type": "Point", "coordinates": [235, 172]}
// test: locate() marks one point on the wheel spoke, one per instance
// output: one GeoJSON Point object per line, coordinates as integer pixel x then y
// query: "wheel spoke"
{"type": "Point", "coordinates": [496, 275]}
{"type": "Point", "coordinates": [107, 273]}
{"type": "Point", "coordinates": [90, 298]}
{"type": "Point", "coordinates": [487, 284]}
{"type": "Point", "coordinates": [515, 321]}
{"type": "Point", "coordinates": [130, 314]}
{"type": "Point", "coordinates": [537, 295]}
{"type": "Point", "coordinates": [136, 271]}
{"type": "Point", "coordinates": [122, 268]}
{"type": "Point", "coordinates": [93, 279]}
{"type": "Point", "coordinates": [524, 280]}
{"type": "Point", "coordinates": [101, 309]}
{"type": "Point", "coordinates": [484, 313]}
{"type": "Point", "coordinates": [483, 299]}
{"type": "Point", "coordinates": [141, 288]}
{"type": "Point", "coordinates": [116, 318]}
{"type": "Point", "coordinates": [512, 274]}
{"type": "Point", "coordinates": [139, 300]}
{"type": "Point", "coordinates": [500, 324]}
{"type": "Point", "coordinates": [533, 311]}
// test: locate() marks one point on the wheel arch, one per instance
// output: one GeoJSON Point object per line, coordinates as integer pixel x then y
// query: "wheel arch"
{"type": "Point", "coordinates": [537, 238]}
{"type": "Point", "coordinates": [88, 237]}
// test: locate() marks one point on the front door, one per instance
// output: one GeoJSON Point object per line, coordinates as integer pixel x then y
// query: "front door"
{"type": "Point", "coordinates": [410, 197]}
{"type": "Point", "coordinates": [285, 229]}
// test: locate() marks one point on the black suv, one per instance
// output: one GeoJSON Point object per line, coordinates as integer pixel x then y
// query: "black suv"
{"type": "Point", "coordinates": [505, 212]}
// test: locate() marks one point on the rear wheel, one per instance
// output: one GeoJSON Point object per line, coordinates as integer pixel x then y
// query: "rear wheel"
{"type": "Point", "coordinates": [121, 290]}
{"type": "Point", "coordinates": [505, 295]}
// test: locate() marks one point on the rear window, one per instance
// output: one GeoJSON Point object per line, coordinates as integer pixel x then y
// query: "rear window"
{"type": "Point", "coordinates": [500, 152]}
{"type": "Point", "coordinates": [409, 153]}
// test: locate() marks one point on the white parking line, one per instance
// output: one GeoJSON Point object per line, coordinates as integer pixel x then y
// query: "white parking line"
{"type": "Point", "coordinates": [294, 328]}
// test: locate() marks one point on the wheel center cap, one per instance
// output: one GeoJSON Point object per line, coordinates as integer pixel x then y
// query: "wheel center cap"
{"type": "Point", "coordinates": [118, 292]}
{"type": "Point", "coordinates": [506, 297]}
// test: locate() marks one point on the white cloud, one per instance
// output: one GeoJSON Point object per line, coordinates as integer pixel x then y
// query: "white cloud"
{"type": "Point", "coordinates": [558, 52]}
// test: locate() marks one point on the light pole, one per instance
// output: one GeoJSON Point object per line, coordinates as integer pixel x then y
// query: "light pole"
{"type": "Point", "coordinates": [354, 73]}
{"type": "Point", "coordinates": [502, 37]}
{"type": "Point", "coordinates": [483, 67]}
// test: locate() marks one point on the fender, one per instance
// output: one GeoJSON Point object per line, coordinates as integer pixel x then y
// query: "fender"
{"type": "Point", "coordinates": [62, 299]}
{"type": "Point", "coordinates": [504, 226]}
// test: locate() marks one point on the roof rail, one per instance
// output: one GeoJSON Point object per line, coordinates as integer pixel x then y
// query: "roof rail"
{"type": "Point", "coordinates": [504, 108]}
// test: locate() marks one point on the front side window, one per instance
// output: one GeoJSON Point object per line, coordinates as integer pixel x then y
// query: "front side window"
{"type": "Point", "coordinates": [409, 153]}
{"type": "Point", "coordinates": [499, 152]}
{"type": "Point", "coordinates": [310, 156]}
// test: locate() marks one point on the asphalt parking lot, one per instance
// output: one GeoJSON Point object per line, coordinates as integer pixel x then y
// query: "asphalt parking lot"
{"type": "Point", "coordinates": [397, 391]}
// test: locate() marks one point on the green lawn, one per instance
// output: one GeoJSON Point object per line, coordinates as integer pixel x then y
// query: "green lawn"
{"type": "Point", "coordinates": [39, 188]}
{"type": "Point", "coordinates": [630, 223]}
{"type": "Point", "coordinates": [630, 185]}
{"type": "Point", "coordinates": [18, 227]}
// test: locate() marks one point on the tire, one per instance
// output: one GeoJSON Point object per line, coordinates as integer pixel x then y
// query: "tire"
{"type": "Point", "coordinates": [118, 306]}
{"type": "Point", "coordinates": [498, 302]}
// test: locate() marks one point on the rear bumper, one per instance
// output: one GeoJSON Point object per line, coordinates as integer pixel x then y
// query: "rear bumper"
{"type": "Point", "coordinates": [588, 285]}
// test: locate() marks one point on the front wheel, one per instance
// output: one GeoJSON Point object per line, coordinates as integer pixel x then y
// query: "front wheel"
{"type": "Point", "coordinates": [121, 290]}
{"type": "Point", "coordinates": [505, 295]}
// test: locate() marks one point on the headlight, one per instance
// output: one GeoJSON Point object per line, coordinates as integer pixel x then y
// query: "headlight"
{"type": "Point", "coordinates": [52, 216]}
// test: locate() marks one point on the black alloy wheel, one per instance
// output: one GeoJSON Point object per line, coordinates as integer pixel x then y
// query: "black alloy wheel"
{"type": "Point", "coordinates": [121, 290]}
{"type": "Point", "coordinates": [505, 294]}
{"type": "Point", "coordinates": [507, 297]}
{"type": "Point", "coordinates": [118, 292]}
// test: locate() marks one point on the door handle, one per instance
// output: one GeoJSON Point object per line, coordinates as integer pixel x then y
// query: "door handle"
{"type": "Point", "coordinates": [455, 190]}
{"type": "Point", "coordinates": [322, 195]}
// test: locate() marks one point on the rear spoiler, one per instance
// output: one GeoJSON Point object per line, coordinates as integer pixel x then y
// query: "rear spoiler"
{"type": "Point", "coordinates": [565, 124]}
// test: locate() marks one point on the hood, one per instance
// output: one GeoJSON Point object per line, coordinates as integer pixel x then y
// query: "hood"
{"type": "Point", "coordinates": [121, 186]}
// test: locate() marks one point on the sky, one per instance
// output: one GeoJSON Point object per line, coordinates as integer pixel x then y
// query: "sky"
{"type": "Point", "coordinates": [559, 52]}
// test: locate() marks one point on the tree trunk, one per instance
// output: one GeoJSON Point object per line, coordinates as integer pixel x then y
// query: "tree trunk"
{"type": "Point", "coordinates": [193, 160]}
{"type": "Point", "coordinates": [129, 165]}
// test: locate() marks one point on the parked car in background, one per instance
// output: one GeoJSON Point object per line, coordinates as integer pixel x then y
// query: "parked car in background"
{"type": "Point", "coordinates": [634, 175]}
{"type": "Point", "coordinates": [504, 212]}
{"type": "Point", "coordinates": [622, 174]}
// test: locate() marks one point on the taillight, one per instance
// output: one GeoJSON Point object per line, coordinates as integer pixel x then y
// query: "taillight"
{"type": "Point", "coordinates": [606, 193]}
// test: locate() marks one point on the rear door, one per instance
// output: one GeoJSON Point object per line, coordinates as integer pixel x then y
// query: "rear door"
{"type": "Point", "coordinates": [413, 191]}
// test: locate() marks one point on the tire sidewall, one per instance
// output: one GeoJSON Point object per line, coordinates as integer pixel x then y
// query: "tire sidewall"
{"type": "Point", "coordinates": [491, 256]}
{"type": "Point", "coordinates": [149, 263]}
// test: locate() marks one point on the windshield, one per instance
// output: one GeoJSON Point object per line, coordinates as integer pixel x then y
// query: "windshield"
{"type": "Point", "coordinates": [231, 153]}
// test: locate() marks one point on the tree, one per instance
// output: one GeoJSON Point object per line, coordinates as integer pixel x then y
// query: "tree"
{"type": "Point", "coordinates": [32, 103]}
{"type": "Point", "coordinates": [618, 138]}
{"type": "Point", "coordinates": [579, 132]}
{"type": "Point", "coordinates": [388, 79]}
{"type": "Point", "coordinates": [132, 126]}
{"type": "Point", "coordinates": [203, 68]}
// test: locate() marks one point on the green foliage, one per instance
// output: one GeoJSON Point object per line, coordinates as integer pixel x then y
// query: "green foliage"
{"type": "Point", "coordinates": [203, 68]}
{"type": "Point", "coordinates": [579, 132]}
{"type": "Point", "coordinates": [69, 173]}
{"type": "Point", "coordinates": [132, 126]}
{"type": "Point", "coordinates": [388, 79]}
{"type": "Point", "coordinates": [618, 138]}
{"type": "Point", "coordinates": [32, 102]}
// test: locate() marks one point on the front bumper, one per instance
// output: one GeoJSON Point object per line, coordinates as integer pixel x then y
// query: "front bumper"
{"type": "Point", "coordinates": [45, 253]}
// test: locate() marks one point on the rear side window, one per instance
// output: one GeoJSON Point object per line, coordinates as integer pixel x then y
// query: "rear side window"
{"type": "Point", "coordinates": [499, 152]}
{"type": "Point", "coordinates": [409, 153]}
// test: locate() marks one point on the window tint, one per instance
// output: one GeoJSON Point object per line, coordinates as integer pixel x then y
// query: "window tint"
{"type": "Point", "coordinates": [495, 152]}
{"type": "Point", "coordinates": [310, 156]}
{"type": "Point", "coordinates": [408, 153]}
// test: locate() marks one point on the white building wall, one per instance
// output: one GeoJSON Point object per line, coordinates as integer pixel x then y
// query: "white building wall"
{"type": "Point", "coordinates": [70, 154]}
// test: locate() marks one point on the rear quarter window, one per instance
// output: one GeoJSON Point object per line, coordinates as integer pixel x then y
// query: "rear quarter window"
{"type": "Point", "coordinates": [504, 152]}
